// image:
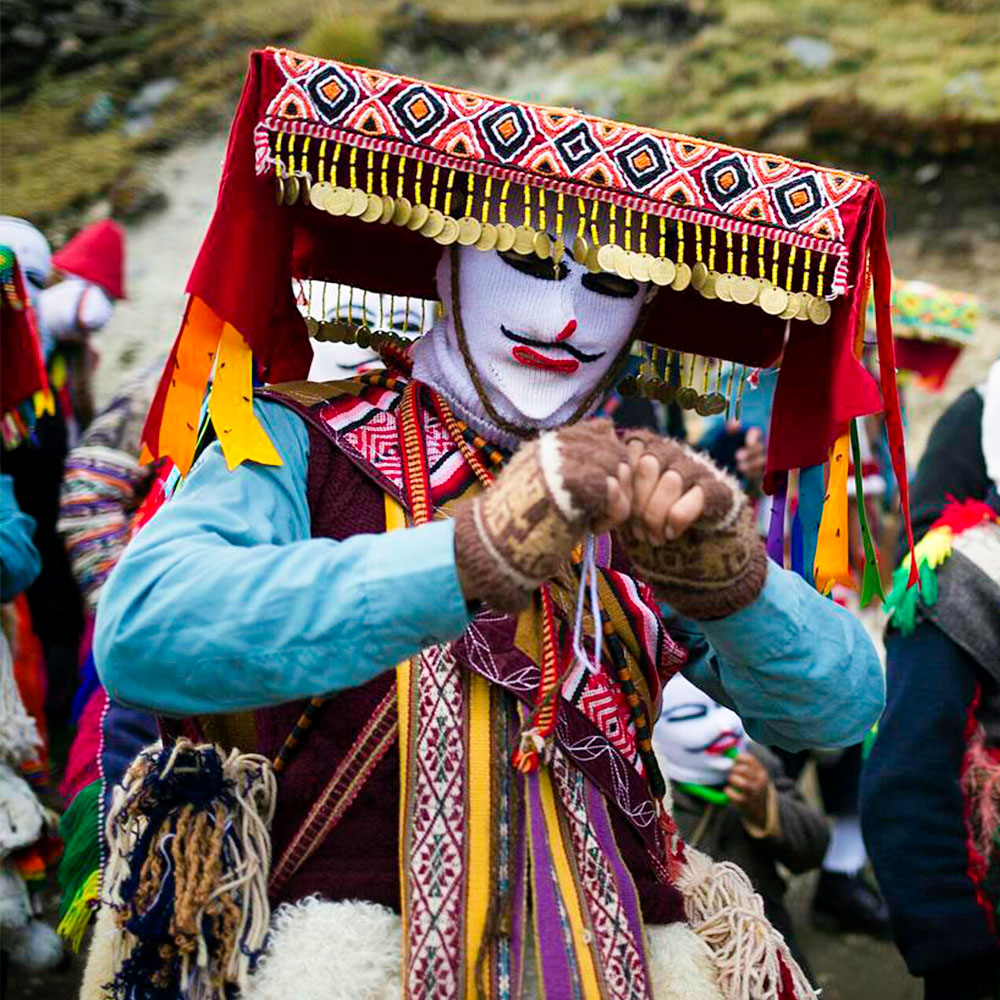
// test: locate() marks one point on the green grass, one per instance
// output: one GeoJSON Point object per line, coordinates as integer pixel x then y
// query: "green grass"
{"type": "Point", "coordinates": [907, 77]}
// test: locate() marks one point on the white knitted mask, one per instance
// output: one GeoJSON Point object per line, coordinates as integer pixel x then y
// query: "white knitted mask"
{"type": "Point", "coordinates": [540, 336]}
{"type": "Point", "coordinates": [693, 733]}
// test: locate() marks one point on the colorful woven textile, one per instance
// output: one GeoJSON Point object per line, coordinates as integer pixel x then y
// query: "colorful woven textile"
{"type": "Point", "coordinates": [24, 385]}
{"type": "Point", "coordinates": [737, 239]}
{"type": "Point", "coordinates": [931, 326]}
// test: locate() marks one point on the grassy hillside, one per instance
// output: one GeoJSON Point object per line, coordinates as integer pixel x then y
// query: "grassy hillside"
{"type": "Point", "coordinates": [837, 79]}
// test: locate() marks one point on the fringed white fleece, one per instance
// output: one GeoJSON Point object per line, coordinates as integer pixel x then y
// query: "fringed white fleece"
{"type": "Point", "coordinates": [352, 950]}
{"type": "Point", "coordinates": [728, 915]}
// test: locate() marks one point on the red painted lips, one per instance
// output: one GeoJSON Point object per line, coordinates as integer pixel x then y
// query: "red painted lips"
{"type": "Point", "coordinates": [531, 358]}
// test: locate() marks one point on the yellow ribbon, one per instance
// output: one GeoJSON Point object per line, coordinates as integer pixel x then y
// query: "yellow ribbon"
{"type": "Point", "coordinates": [832, 563]}
{"type": "Point", "coordinates": [231, 405]}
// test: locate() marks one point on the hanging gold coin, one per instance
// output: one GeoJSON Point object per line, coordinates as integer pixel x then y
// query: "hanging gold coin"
{"type": "Point", "coordinates": [506, 237]}
{"type": "Point", "coordinates": [388, 208]}
{"type": "Point", "coordinates": [682, 278]}
{"type": "Point", "coordinates": [662, 271]}
{"type": "Point", "coordinates": [542, 245]}
{"type": "Point", "coordinates": [607, 257]}
{"type": "Point", "coordinates": [374, 209]}
{"type": "Point", "coordinates": [449, 234]}
{"type": "Point", "coordinates": [804, 299]}
{"type": "Point", "coordinates": [623, 264]}
{"type": "Point", "coordinates": [580, 251]}
{"type": "Point", "coordinates": [708, 290]}
{"type": "Point", "coordinates": [279, 191]}
{"type": "Point", "coordinates": [593, 262]}
{"type": "Point", "coordinates": [524, 240]}
{"type": "Point", "coordinates": [359, 202]}
{"type": "Point", "coordinates": [641, 265]}
{"type": "Point", "coordinates": [469, 231]}
{"type": "Point", "coordinates": [434, 224]}
{"type": "Point", "coordinates": [488, 237]}
{"type": "Point", "coordinates": [312, 326]}
{"type": "Point", "coordinates": [744, 289]}
{"type": "Point", "coordinates": [687, 397]}
{"type": "Point", "coordinates": [558, 251]}
{"type": "Point", "coordinates": [773, 300]}
{"type": "Point", "coordinates": [699, 274]}
{"type": "Point", "coordinates": [418, 216]}
{"type": "Point", "coordinates": [715, 403]}
{"type": "Point", "coordinates": [791, 310]}
{"type": "Point", "coordinates": [722, 285]}
{"type": "Point", "coordinates": [317, 194]}
{"type": "Point", "coordinates": [338, 201]}
{"type": "Point", "coordinates": [666, 393]}
{"type": "Point", "coordinates": [819, 311]}
{"type": "Point", "coordinates": [402, 212]}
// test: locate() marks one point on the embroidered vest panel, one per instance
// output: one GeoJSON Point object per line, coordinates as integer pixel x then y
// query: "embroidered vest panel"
{"type": "Point", "coordinates": [348, 473]}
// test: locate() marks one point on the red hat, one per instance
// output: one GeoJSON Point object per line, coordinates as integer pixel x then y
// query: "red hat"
{"type": "Point", "coordinates": [96, 254]}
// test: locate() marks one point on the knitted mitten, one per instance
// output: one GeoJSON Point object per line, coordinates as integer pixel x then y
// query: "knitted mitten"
{"type": "Point", "coordinates": [718, 565]}
{"type": "Point", "coordinates": [516, 534]}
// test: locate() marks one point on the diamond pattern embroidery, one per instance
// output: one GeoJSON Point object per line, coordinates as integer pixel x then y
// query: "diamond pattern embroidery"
{"type": "Point", "coordinates": [727, 180]}
{"type": "Point", "coordinates": [332, 93]}
{"type": "Point", "coordinates": [797, 199]}
{"type": "Point", "coordinates": [506, 130]}
{"type": "Point", "coordinates": [559, 142]}
{"type": "Point", "coordinates": [576, 146]}
{"type": "Point", "coordinates": [420, 111]}
{"type": "Point", "coordinates": [643, 162]}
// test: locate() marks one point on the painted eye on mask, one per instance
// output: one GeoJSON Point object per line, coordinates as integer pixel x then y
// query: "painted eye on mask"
{"type": "Point", "coordinates": [612, 285]}
{"type": "Point", "coordinates": [533, 265]}
{"type": "Point", "coordinates": [685, 713]}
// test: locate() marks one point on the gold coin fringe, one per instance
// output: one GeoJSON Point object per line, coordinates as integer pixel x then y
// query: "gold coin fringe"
{"type": "Point", "coordinates": [344, 331]}
{"type": "Point", "coordinates": [705, 385]}
{"type": "Point", "coordinates": [359, 184]}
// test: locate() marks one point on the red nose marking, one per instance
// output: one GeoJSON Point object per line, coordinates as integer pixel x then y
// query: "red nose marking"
{"type": "Point", "coordinates": [567, 331]}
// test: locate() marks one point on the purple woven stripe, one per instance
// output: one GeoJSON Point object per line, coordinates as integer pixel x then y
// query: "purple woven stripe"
{"type": "Point", "coordinates": [598, 811]}
{"type": "Point", "coordinates": [554, 938]}
{"type": "Point", "coordinates": [776, 530]}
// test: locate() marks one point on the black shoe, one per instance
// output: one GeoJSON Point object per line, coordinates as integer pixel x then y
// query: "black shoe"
{"type": "Point", "coordinates": [848, 903]}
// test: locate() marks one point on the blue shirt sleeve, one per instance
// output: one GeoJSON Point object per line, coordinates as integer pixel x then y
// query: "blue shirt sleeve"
{"type": "Point", "coordinates": [799, 669]}
{"type": "Point", "coordinates": [224, 602]}
{"type": "Point", "coordinates": [19, 559]}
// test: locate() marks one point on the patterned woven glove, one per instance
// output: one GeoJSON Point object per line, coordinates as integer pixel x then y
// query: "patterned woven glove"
{"type": "Point", "coordinates": [718, 565]}
{"type": "Point", "coordinates": [517, 534]}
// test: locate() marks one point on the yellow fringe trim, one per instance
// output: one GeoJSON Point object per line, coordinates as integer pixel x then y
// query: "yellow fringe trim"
{"type": "Point", "coordinates": [74, 925]}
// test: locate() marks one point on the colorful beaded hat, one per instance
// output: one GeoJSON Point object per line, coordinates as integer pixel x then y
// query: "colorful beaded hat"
{"type": "Point", "coordinates": [931, 326]}
{"type": "Point", "coordinates": [337, 173]}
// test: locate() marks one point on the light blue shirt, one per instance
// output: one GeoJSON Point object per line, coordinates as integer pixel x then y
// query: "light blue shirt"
{"type": "Point", "coordinates": [224, 601]}
{"type": "Point", "coordinates": [19, 559]}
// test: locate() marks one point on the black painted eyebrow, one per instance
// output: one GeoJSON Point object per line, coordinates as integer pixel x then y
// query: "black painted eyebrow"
{"type": "Point", "coordinates": [533, 265]}
{"type": "Point", "coordinates": [610, 284]}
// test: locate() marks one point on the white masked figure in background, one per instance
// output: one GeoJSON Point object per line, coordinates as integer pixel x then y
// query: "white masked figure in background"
{"type": "Point", "coordinates": [695, 737]}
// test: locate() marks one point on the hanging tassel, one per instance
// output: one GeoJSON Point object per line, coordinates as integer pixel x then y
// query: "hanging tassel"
{"type": "Point", "coordinates": [882, 274]}
{"type": "Point", "coordinates": [776, 529]}
{"type": "Point", "coordinates": [751, 958]}
{"type": "Point", "coordinates": [871, 576]}
{"type": "Point", "coordinates": [832, 561]}
{"type": "Point", "coordinates": [189, 856]}
{"type": "Point", "coordinates": [76, 918]}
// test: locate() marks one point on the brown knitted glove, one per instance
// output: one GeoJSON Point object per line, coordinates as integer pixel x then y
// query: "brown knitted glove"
{"type": "Point", "coordinates": [718, 565]}
{"type": "Point", "coordinates": [517, 534]}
